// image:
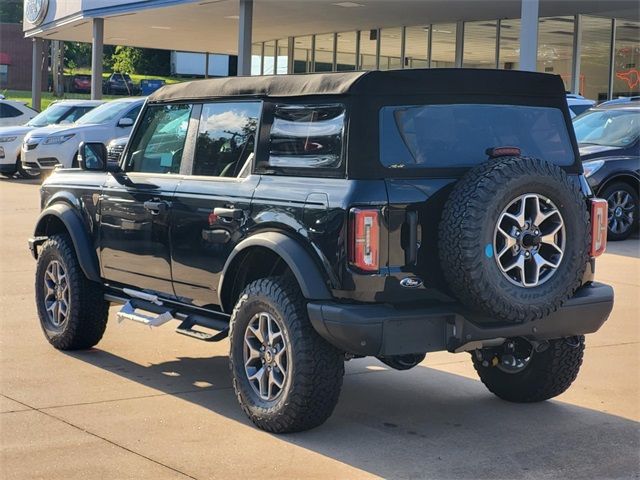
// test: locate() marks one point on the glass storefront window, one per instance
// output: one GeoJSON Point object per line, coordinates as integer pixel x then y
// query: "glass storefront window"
{"type": "Point", "coordinates": [302, 54]}
{"type": "Point", "coordinates": [324, 53]}
{"type": "Point", "coordinates": [626, 66]}
{"type": "Point", "coordinates": [256, 59]}
{"type": "Point", "coordinates": [390, 48]}
{"type": "Point", "coordinates": [594, 58]}
{"type": "Point", "coordinates": [443, 45]}
{"type": "Point", "coordinates": [269, 60]}
{"type": "Point", "coordinates": [346, 51]}
{"type": "Point", "coordinates": [283, 57]}
{"type": "Point", "coordinates": [368, 49]}
{"type": "Point", "coordinates": [509, 56]}
{"type": "Point", "coordinates": [479, 45]}
{"type": "Point", "coordinates": [416, 46]}
{"type": "Point", "coordinates": [555, 47]}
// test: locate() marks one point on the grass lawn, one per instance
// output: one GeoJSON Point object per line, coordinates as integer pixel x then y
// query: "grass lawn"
{"type": "Point", "coordinates": [48, 98]}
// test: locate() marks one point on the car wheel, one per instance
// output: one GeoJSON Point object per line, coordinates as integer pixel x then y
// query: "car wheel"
{"type": "Point", "coordinates": [514, 239]}
{"type": "Point", "coordinates": [526, 375]}
{"type": "Point", "coordinates": [285, 376]}
{"type": "Point", "coordinates": [623, 210]}
{"type": "Point", "coordinates": [72, 309]}
{"type": "Point", "coordinates": [27, 173]}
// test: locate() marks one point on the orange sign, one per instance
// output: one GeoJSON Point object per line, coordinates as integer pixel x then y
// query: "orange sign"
{"type": "Point", "coordinates": [631, 76]}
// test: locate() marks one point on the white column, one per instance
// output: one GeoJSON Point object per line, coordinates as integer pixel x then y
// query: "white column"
{"type": "Point", "coordinates": [245, 25]}
{"type": "Point", "coordinates": [36, 74]}
{"type": "Point", "coordinates": [612, 57]}
{"type": "Point", "coordinates": [577, 51]}
{"type": "Point", "coordinates": [97, 48]}
{"type": "Point", "coordinates": [459, 43]}
{"type": "Point", "coordinates": [529, 35]}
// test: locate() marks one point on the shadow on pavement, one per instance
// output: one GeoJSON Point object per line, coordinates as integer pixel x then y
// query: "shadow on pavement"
{"type": "Point", "coordinates": [422, 423]}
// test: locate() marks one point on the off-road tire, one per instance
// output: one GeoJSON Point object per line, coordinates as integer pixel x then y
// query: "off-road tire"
{"type": "Point", "coordinates": [633, 193]}
{"type": "Point", "coordinates": [547, 375]}
{"type": "Point", "coordinates": [467, 229]}
{"type": "Point", "coordinates": [88, 310]}
{"type": "Point", "coordinates": [317, 368]}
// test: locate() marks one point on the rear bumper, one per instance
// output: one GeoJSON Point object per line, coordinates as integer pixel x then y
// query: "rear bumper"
{"type": "Point", "coordinates": [385, 330]}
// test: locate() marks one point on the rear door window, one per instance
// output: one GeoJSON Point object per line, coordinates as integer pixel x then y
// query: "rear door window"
{"type": "Point", "coordinates": [307, 137]}
{"type": "Point", "coordinates": [226, 138]}
{"type": "Point", "coordinates": [458, 135]}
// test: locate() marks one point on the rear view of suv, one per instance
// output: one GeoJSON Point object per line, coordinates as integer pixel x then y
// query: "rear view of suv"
{"type": "Point", "coordinates": [318, 218]}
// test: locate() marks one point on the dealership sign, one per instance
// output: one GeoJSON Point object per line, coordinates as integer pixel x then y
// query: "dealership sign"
{"type": "Point", "coordinates": [35, 10]}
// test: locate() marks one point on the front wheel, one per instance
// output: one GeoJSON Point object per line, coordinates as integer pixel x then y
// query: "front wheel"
{"type": "Point", "coordinates": [517, 372]}
{"type": "Point", "coordinates": [72, 309]}
{"type": "Point", "coordinates": [27, 173]}
{"type": "Point", "coordinates": [285, 376]}
{"type": "Point", "coordinates": [622, 200]}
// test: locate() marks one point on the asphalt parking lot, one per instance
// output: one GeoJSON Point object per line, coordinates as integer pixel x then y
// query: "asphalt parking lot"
{"type": "Point", "coordinates": [152, 404]}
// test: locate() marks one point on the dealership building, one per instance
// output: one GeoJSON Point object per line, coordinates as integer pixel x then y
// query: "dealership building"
{"type": "Point", "coordinates": [593, 45]}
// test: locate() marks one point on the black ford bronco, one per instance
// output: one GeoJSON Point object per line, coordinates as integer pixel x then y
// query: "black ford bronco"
{"type": "Point", "coordinates": [317, 218]}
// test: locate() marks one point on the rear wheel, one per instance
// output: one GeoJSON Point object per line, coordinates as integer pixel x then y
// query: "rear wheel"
{"type": "Point", "coordinates": [517, 372]}
{"type": "Point", "coordinates": [623, 203]}
{"type": "Point", "coordinates": [285, 376]}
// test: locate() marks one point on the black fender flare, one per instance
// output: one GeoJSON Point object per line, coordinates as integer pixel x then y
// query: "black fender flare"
{"type": "Point", "coordinates": [79, 236]}
{"type": "Point", "coordinates": [299, 261]}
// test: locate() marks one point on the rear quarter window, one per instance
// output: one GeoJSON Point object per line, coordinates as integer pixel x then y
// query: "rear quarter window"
{"type": "Point", "coordinates": [307, 139]}
{"type": "Point", "coordinates": [458, 135]}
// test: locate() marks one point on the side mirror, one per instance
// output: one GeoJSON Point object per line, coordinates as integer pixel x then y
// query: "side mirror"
{"type": "Point", "coordinates": [93, 156]}
{"type": "Point", "coordinates": [125, 122]}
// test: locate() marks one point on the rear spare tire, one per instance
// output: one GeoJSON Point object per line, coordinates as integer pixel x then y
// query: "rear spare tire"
{"type": "Point", "coordinates": [514, 239]}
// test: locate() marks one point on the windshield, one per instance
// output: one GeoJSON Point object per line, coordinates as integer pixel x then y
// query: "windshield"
{"type": "Point", "coordinates": [458, 135]}
{"type": "Point", "coordinates": [106, 112]}
{"type": "Point", "coordinates": [609, 128]}
{"type": "Point", "coordinates": [53, 114]}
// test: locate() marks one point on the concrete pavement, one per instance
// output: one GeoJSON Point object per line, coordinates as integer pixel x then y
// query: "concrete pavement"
{"type": "Point", "coordinates": [152, 404]}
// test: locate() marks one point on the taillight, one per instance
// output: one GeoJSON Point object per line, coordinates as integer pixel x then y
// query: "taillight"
{"type": "Point", "coordinates": [599, 224]}
{"type": "Point", "coordinates": [364, 239]}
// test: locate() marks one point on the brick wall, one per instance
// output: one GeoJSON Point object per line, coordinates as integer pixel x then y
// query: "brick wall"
{"type": "Point", "coordinates": [19, 51]}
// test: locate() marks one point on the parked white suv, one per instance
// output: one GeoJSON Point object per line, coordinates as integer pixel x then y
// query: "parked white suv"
{"type": "Point", "coordinates": [63, 112]}
{"type": "Point", "coordinates": [13, 113]}
{"type": "Point", "coordinates": [46, 148]}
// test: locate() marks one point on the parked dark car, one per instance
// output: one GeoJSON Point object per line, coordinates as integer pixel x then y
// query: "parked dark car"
{"type": "Point", "coordinates": [317, 218]}
{"type": "Point", "coordinates": [115, 149]}
{"type": "Point", "coordinates": [80, 84]}
{"type": "Point", "coordinates": [119, 84]}
{"type": "Point", "coordinates": [609, 141]}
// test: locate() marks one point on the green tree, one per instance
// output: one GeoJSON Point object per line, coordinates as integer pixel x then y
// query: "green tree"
{"type": "Point", "coordinates": [11, 11]}
{"type": "Point", "coordinates": [126, 59]}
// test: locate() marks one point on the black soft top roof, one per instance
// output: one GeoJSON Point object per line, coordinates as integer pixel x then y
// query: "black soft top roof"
{"type": "Point", "coordinates": [446, 81]}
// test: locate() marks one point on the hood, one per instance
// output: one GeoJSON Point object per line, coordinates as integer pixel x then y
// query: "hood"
{"type": "Point", "coordinates": [588, 152]}
{"type": "Point", "coordinates": [46, 131]}
{"type": "Point", "coordinates": [21, 130]}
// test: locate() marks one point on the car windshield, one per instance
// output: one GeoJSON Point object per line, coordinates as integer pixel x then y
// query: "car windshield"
{"type": "Point", "coordinates": [105, 113]}
{"type": "Point", "coordinates": [609, 128]}
{"type": "Point", "coordinates": [51, 115]}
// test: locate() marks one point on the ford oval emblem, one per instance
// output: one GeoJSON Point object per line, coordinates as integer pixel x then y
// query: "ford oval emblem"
{"type": "Point", "coordinates": [411, 282]}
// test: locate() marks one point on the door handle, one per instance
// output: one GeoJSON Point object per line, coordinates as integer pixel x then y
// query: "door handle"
{"type": "Point", "coordinates": [229, 213]}
{"type": "Point", "coordinates": [156, 207]}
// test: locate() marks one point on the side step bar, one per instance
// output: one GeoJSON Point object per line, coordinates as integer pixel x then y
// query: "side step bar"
{"type": "Point", "coordinates": [150, 310]}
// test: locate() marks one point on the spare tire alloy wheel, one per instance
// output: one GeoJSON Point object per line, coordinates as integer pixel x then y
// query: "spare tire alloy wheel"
{"type": "Point", "coordinates": [529, 240]}
{"type": "Point", "coordinates": [56, 298]}
{"type": "Point", "coordinates": [514, 239]}
{"type": "Point", "coordinates": [265, 356]}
